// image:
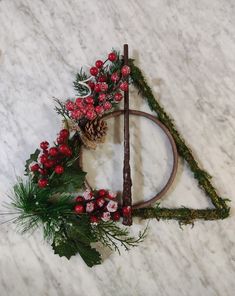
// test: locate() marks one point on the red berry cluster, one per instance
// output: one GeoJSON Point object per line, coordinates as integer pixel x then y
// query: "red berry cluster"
{"type": "Point", "coordinates": [99, 205]}
{"type": "Point", "coordinates": [106, 87]}
{"type": "Point", "coordinates": [52, 159]}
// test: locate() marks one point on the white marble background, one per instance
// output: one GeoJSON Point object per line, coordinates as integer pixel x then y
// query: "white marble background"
{"type": "Point", "coordinates": [186, 49]}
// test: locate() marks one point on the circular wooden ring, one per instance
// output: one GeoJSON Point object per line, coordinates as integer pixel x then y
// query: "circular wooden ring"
{"type": "Point", "coordinates": [174, 151]}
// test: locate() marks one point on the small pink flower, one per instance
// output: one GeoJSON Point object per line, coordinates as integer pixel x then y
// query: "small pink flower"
{"type": "Point", "coordinates": [90, 206]}
{"type": "Point", "coordinates": [112, 206]}
{"type": "Point", "coordinates": [88, 195]}
{"type": "Point", "coordinates": [106, 216]}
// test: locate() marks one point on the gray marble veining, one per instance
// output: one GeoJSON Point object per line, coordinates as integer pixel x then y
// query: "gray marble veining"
{"type": "Point", "coordinates": [186, 49]}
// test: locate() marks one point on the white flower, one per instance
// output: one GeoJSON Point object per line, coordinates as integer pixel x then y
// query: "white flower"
{"type": "Point", "coordinates": [90, 206]}
{"type": "Point", "coordinates": [106, 216]}
{"type": "Point", "coordinates": [88, 195]}
{"type": "Point", "coordinates": [112, 206]}
{"type": "Point", "coordinates": [112, 195]}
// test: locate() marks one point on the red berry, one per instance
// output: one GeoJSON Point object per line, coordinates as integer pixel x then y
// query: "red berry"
{"type": "Point", "coordinates": [34, 168]}
{"type": "Point", "coordinates": [79, 209]}
{"type": "Point", "coordinates": [99, 64]}
{"type": "Point", "coordinates": [44, 145]}
{"type": "Point", "coordinates": [99, 109]}
{"type": "Point", "coordinates": [79, 102]}
{"type": "Point", "coordinates": [59, 169]}
{"type": "Point", "coordinates": [76, 114]}
{"type": "Point", "coordinates": [94, 71]}
{"type": "Point", "coordinates": [42, 171]}
{"type": "Point", "coordinates": [43, 158]}
{"type": "Point", "coordinates": [90, 115]}
{"type": "Point", "coordinates": [60, 140]}
{"type": "Point", "coordinates": [124, 86]}
{"type": "Point", "coordinates": [107, 106]}
{"type": "Point", "coordinates": [102, 78]}
{"type": "Point", "coordinates": [53, 151]}
{"type": "Point", "coordinates": [97, 87]}
{"type": "Point", "coordinates": [91, 84]}
{"type": "Point", "coordinates": [42, 183]}
{"type": "Point", "coordinates": [118, 97]}
{"type": "Point", "coordinates": [64, 149]}
{"type": "Point", "coordinates": [64, 133]}
{"type": "Point", "coordinates": [100, 202]}
{"type": "Point", "coordinates": [94, 219]}
{"type": "Point", "coordinates": [126, 211]}
{"type": "Point", "coordinates": [89, 107]}
{"type": "Point", "coordinates": [115, 77]}
{"type": "Point", "coordinates": [125, 70]}
{"type": "Point", "coordinates": [116, 216]}
{"type": "Point", "coordinates": [69, 106]}
{"type": "Point", "coordinates": [89, 100]}
{"type": "Point", "coordinates": [79, 199]}
{"type": "Point", "coordinates": [102, 192]}
{"type": "Point", "coordinates": [49, 163]}
{"type": "Point", "coordinates": [102, 97]}
{"type": "Point", "coordinates": [112, 56]}
{"type": "Point", "coordinates": [103, 86]}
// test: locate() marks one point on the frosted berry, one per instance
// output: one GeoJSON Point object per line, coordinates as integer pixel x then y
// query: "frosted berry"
{"type": "Point", "coordinates": [102, 78]}
{"type": "Point", "coordinates": [124, 86]}
{"type": "Point", "coordinates": [44, 145]}
{"type": "Point", "coordinates": [107, 106]}
{"type": "Point", "coordinates": [112, 56]}
{"type": "Point", "coordinates": [99, 109]}
{"type": "Point", "coordinates": [70, 106]}
{"type": "Point", "coordinates": [118, 97]}
{"type": "Point", "coordinates": [89, 100]}
{"type": "Point", "coordinates": [59, 169]}
{"type": "Point", "coordinates": [53, 151]}
{"type": "Point", "coordinates": [90, 115]}
{"type": "Point", "coordinates": [76, 114]}
{"type": "Point", "coordinates": [103, 86]}
{"type": "Point", "coordinates": [34, 168]}
{"type": "Point", "coordinates": [79, 209]}
{"type": "Point", "coordinates": [102, 97]}
{"type": "Point", "coordinates": [94, 71]}
{"type": "Point", "coordinates": [90, 206]}
{"type": "Point", "coordinates": [99, 64]}
{"type": "Point", "coordinates": [97, 87]}
{"type": "Point", "coordinates": [79, 102]}
{"type": "Point", "coordinates": [42, 183]}
{"type": "Point", "coordinates": [115, 77]}
{"type": "Point", "coordinates": [91, 85]}
{"type": "Point", "coordinates": [125, 70]}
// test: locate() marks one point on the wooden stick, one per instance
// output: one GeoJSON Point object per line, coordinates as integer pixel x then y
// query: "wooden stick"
{"type": "Point", "coordinates": [127, 183]}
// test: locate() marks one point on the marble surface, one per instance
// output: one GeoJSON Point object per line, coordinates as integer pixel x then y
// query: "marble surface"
{"type": "Point", "coordinates": [186, 49]}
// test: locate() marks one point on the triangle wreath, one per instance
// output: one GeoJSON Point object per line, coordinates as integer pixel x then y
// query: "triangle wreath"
{"type": "Point", "coordinates": [48, 198]}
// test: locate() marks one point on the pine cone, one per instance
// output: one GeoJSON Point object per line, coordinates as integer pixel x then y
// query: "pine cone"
{"type": "Point", "coordinates": [94, 132]}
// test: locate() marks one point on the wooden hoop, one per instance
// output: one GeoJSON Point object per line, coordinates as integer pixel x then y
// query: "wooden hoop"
{"type": "Point", "coordinates": [174, 151]}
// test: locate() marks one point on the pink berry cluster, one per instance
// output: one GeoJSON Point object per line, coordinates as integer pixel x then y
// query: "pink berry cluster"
{"type": "Point", "coordinates": [106, 87]}
{"type": "Point", "coordinates": [52, 159]}
{"type": "Point", "coordinates": [99, 205]}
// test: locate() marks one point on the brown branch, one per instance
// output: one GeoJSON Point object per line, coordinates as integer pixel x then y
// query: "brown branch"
{"type": "Point", "coordinates": [127, 183]}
